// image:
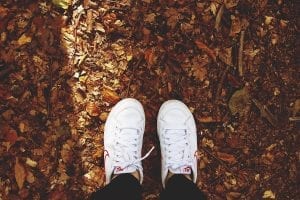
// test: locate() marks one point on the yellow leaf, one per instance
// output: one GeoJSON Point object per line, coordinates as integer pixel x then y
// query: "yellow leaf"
{"type": "Point", "coordinates": [64, 4]}
{"type": "Point", "coordinates": [269, 194]}
{"type": "Point", "coordinates": [20, 173]}
{"type": "Point", "coordinates": [24, 39]}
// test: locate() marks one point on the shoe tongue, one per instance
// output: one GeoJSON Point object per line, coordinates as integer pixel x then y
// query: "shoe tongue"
{"type": "Point", "coordinates": [128, 169]}
{"type": "Point", "coordinates": [181, 170]}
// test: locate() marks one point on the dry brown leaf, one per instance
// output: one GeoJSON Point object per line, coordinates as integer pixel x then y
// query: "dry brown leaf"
{"type": "Point", "coordinates": [226, 157]}
{"type": "Point", "coordinates": [92, 109]}
{"type": "Point", "coordinates": [103, 116]}
{"type": "Point", "coordinates": [225, 55]}
{"type": "Point", "coordinates": [231, 3]}
{"type": "Point", "coordinates": [150, 56]}
{"type": "Point", "coordinates": [30, 177]}
{"type": "Point", "coordinates": [236, 26]}
{"type": "Point", "coordinates": [110, 96]}
{"type": "Point", "coordinates": [206, 49]}
{"type": "Point", "coordinates": [10, 135]}
{"type": "Point", "coordinates": [20, 173]}
{"type": "Point", "coordinates": [200, 73]}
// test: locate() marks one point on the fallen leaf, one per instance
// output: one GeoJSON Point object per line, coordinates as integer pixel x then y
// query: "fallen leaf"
{"type": "Point", "coordinates": [239, 101]}
{"type": "Point", "coordinates": [231, 3]}
{"type": "Point", "coordinates": [226, 157]}
{"type": "Point", "coordinates": [30, 177]}
{"type": "Point", "coordinates": [92, 109]}
{"type": "Point", "coordinates": [206, 49]}
{"type": "Point", "coordinates": [200, 73]}
{"type": "Point", "coordinates": [31, 163]}
{"type": "Point", "coordinates": [110, 96]}
{"type": "Point", "coordinates": [64, 4]}
{"type": "Point", "coordinates": [236, 26]}
{"type": "Point", "coordinates": [225, 55]}
{"type": "Point", "coordinates": [268, 194]}
{"type": "Point", "coordinates": [10, 135]}
{"type": "Point", "coordinates": [233, 195]}
{"type": "Point", "coordinates": [20, 173]}
{"type": "Point", "coordinates": [150, 56]}
{"type": "Point", "coordinates": [24, 39]}
{"type": "Point", "coordinates": [103, 116]}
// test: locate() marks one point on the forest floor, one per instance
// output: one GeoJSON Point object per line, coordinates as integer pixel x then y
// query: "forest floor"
{"type": "Point", "coordinates": [64, 64]}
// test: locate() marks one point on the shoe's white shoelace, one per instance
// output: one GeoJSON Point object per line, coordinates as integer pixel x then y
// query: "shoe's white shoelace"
{"type": "Point", "coordinates": [177, 146]}
{"type": "Point", "coordinates": [127, 148]}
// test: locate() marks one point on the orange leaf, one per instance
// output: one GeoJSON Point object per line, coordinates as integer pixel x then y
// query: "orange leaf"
{"type": "Point", "coordinates": [110, 96]}
{"type": "Point", "coordinates": [20, 173]}
{"type": "Point", "coordinates": [92, 109]}
{"type": "Point", "coordinates": [206, 49]}
{"type": "Point", "coordinates": [226, 157]}
{"type": "Point", "coordinates": [149, 56]}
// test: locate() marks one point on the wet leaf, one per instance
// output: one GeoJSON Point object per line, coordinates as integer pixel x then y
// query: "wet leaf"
{"type": "Point", "coordinates": [20, 173]}
{"type": "Point", "coordinates": [239, 101]}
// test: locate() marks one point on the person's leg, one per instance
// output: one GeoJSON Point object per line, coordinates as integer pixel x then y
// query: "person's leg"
{"type": "Point", "coordinates": [123, 139]}
{"type": "Point", "coordinates": [177, 134]}
{"type": "Point", "coordinates": [124, 186]}
{"type": "Point", "coordinates": [178, 187]}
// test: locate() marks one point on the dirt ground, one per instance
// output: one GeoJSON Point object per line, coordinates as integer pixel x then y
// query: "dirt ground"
{"type": "Point", "coordinates": [64, 64]}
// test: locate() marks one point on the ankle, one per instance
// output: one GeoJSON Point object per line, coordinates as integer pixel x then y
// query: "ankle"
{"type": "Point", "coordinates": [170, 174]}
{"type": "Point", "coordinates": [135, 174]}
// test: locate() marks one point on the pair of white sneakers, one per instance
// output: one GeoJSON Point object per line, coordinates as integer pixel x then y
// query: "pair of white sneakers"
{"type": "Point", "coordinates": [123, 139]}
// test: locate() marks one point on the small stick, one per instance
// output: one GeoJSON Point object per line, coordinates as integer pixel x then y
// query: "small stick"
{"type": "Point", "coordinates": [240, 58]}
{"type": "Point", "coordinates": [294, 119]}
{"type": "Point", "coordinates": [219, 17]}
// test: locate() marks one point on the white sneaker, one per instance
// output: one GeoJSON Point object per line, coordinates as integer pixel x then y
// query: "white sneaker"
{"type": "Point", "coordinates": [123, 139]}
{"type": "Point", "coordinates": [177, 134]}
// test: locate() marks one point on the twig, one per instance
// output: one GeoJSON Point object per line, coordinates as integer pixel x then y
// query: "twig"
{"type": "Point", "coordinates": [265, 112]}
{"type": "Point", "coordinates": [219, 17]}
{"type": "Point", "coordinates": [240, 58]}
{"type": "Point", "coordinates": [294, 119]}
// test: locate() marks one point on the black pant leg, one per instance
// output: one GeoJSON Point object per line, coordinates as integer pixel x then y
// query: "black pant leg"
{"type": "Point", "coordinates": [124, 186]}
{"type": "Point", "coordinates": [179, 187]}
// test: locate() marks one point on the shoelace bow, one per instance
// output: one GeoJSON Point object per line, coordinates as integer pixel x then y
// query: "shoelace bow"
{"type": "Point", "coordinates": [177, 150]}
{"type": "Point", "coordinates": [127, 148]}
